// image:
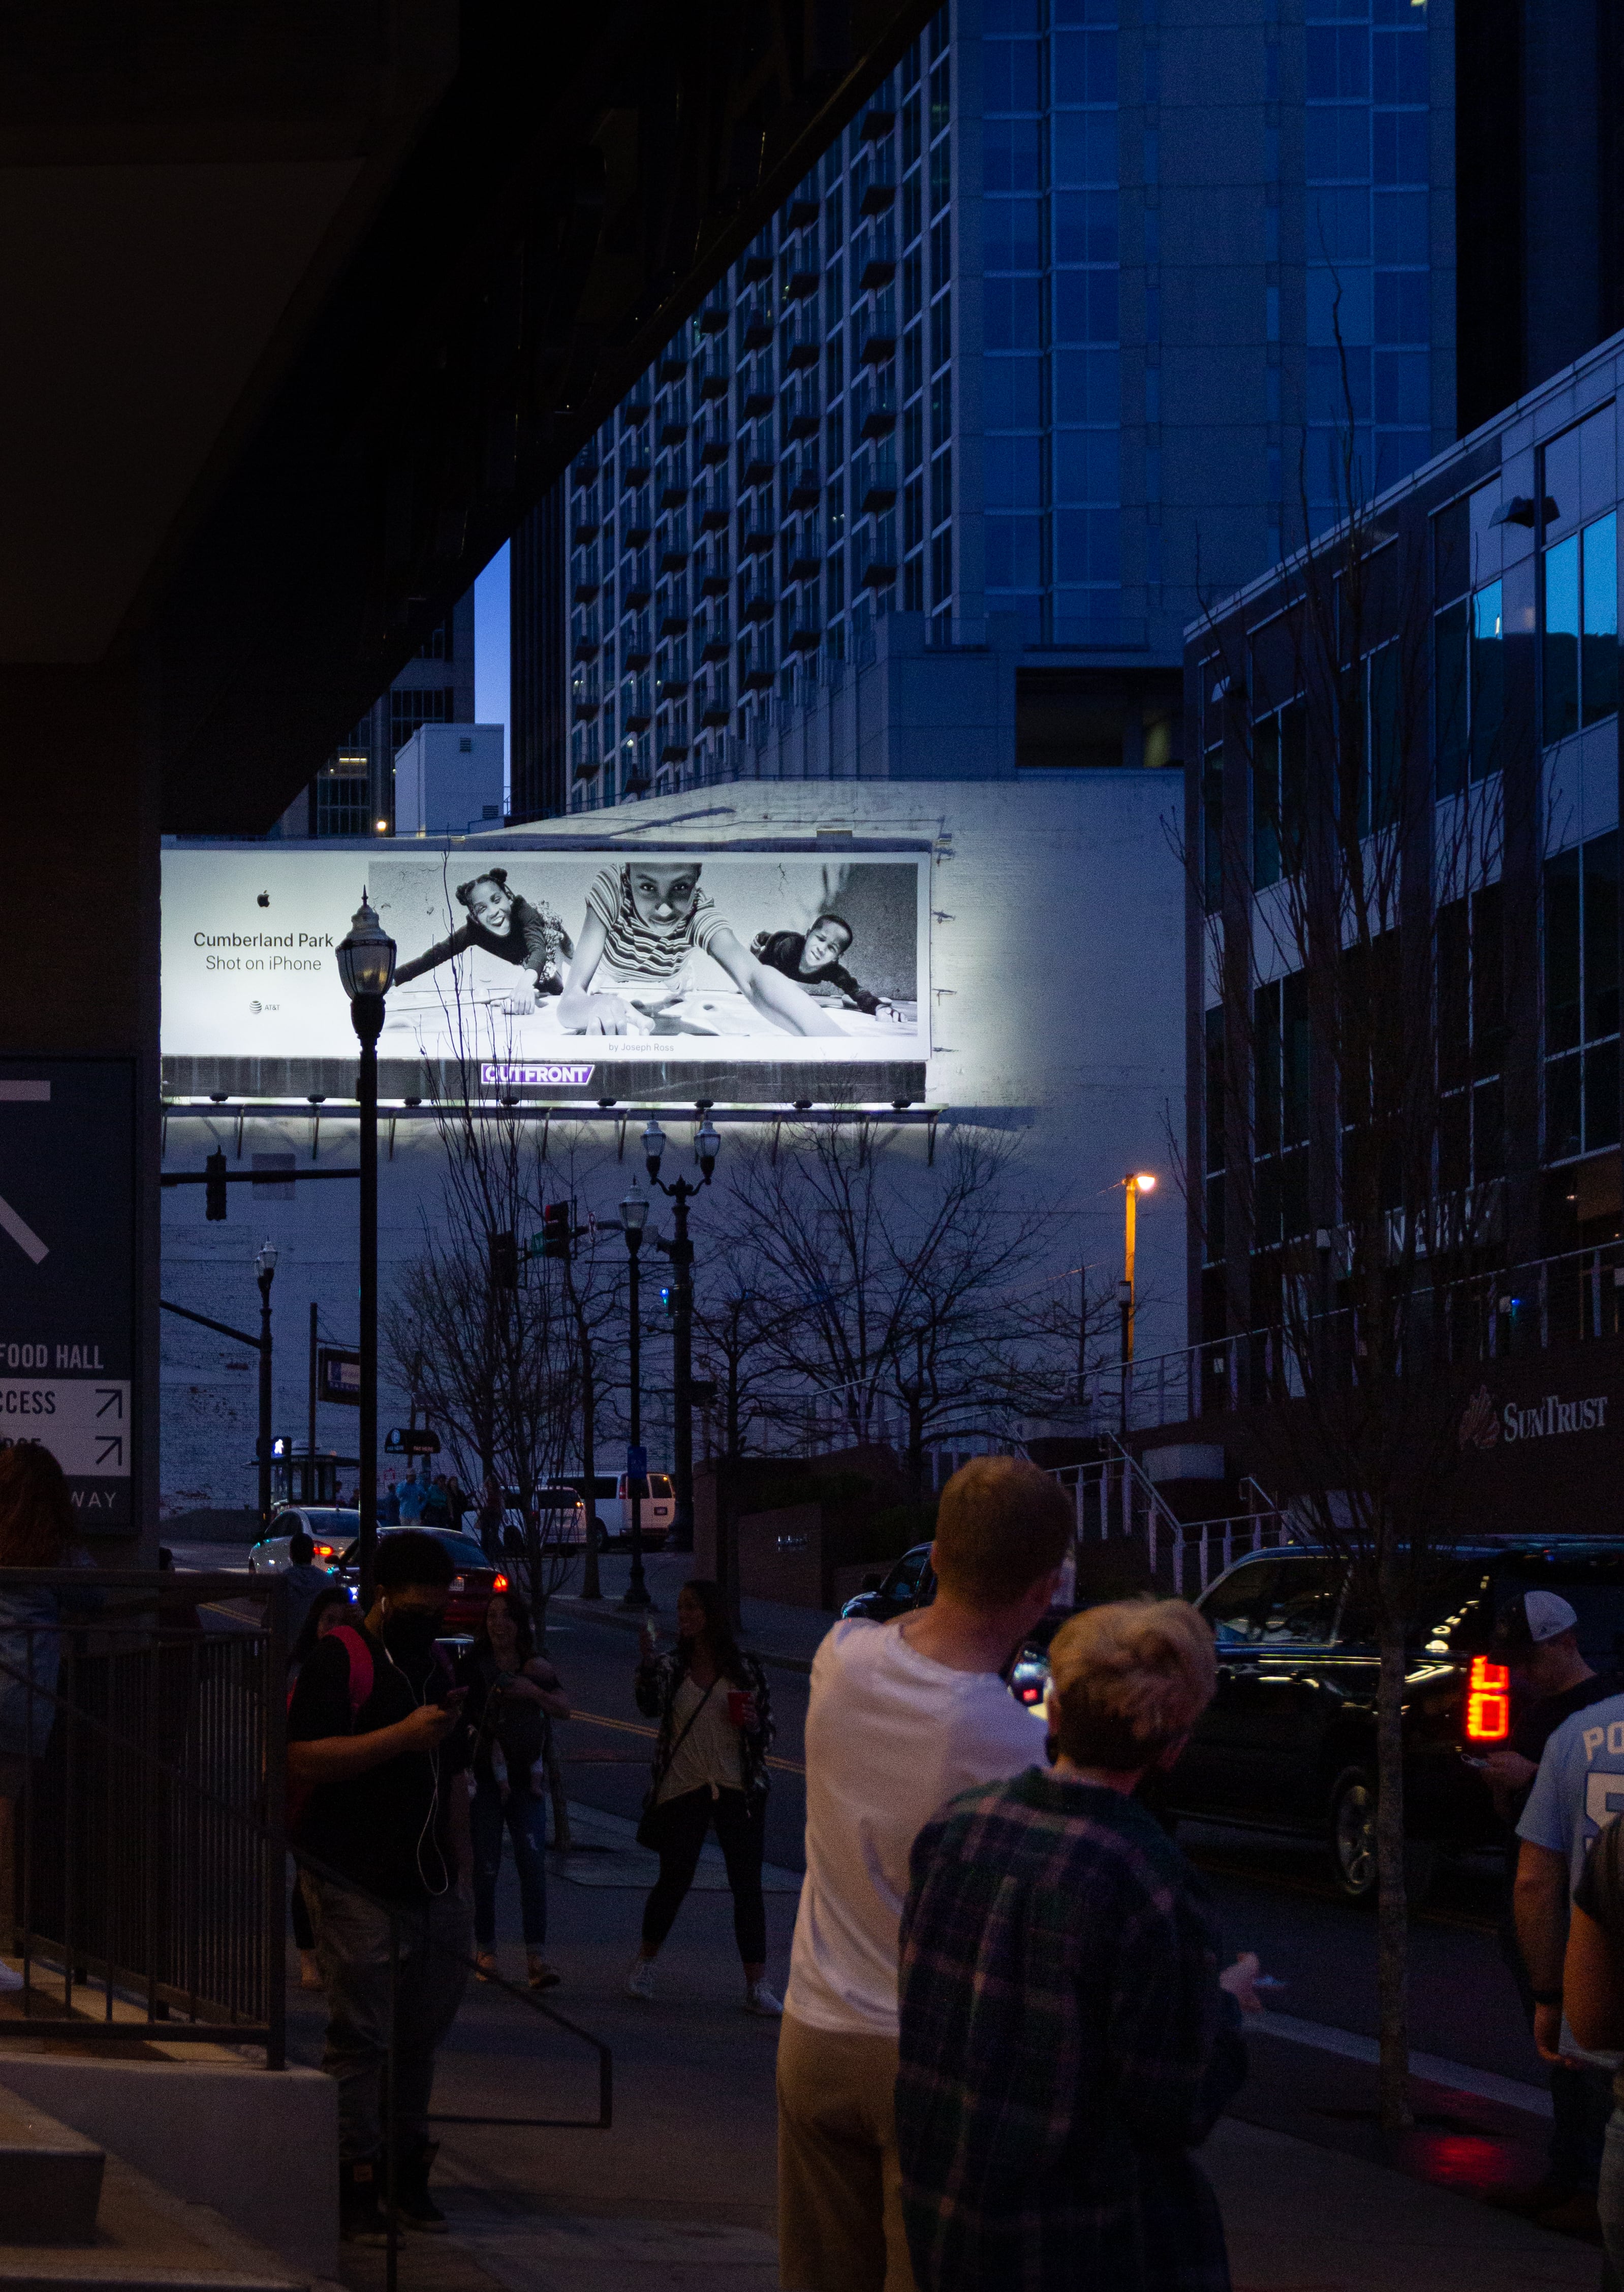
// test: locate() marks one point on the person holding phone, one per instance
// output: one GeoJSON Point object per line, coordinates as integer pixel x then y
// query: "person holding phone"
{"type": "Point", "coordinates": [710, 1765]}
{"type": "Point", "coordinates": [377, 1750]}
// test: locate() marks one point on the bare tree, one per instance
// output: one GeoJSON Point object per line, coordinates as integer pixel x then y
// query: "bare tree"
{"type": "Point", "coordinates": [1355, 1153]}
{"type": "Point", "coordinates": [889, 1279]}
{"type": "Point", "coordinates": [737, 1330]}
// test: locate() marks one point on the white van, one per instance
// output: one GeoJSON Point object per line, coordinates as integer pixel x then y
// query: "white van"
{"type": "Point", "coordinates": [657, 1511]}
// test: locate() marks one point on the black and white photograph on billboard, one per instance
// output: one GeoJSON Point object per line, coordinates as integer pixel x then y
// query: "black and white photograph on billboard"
{"type": "Point", "coordinates": [526, 955]}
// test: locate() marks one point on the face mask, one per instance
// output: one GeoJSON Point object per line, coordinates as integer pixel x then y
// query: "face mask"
{"type": "Point", "coordinates": [410, 1632]}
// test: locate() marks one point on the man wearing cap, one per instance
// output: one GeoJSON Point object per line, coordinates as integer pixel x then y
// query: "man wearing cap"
{"type": "Point", "coordinates": [1553, 1779]}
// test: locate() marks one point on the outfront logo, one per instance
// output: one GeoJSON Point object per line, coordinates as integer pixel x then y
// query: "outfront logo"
{"type": "Point", "coordinates": [495, 1077]}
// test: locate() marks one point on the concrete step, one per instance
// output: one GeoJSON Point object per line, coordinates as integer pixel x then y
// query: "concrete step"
{"type": "Point", "coordinates": [50, 2179]}
{"type": "Point", "coordinates": [54, 2234]}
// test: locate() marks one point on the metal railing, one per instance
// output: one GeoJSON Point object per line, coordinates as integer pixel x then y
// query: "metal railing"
{"type": "Point", "coordinates": [1116, 1501]}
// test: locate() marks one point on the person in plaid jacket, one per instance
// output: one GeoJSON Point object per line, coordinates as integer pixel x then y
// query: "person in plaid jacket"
{"type": "Point", "coordinates": [1067, 2038]}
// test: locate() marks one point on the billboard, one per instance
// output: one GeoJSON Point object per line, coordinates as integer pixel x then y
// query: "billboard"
{"type": "Point", "coordinates": [551, 960]}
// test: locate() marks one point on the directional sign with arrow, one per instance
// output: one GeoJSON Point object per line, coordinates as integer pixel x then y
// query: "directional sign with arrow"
{"type": "Point", "coordinates": [69, 1367]}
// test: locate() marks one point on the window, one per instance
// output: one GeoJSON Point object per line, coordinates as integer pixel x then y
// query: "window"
{"type": "Point", "coordinates": [1468, 690]}
{"type": "Point", "coordinates": [407, 710]}
{"type": "Point", "coordinates": [1471, 1041]}
{"type": "Point", "coordinates": [1216, 1111]}
{"type": "Point", "coordinates": [1278, 750]}
{"type": "Point", "coordinates": [1212, 829]}
{"type": "Point", "coordinates": [1384, 740]}
{"type": "Point", "coordinates": [1580, 652]}
{"type": "Point", "coordinates": [342, 804]}
{"type": "Point", "coordinates": [1301, 1609]}
{"type": "Point", "coordinates": [1581, 999]}
{"type": "Point", "coordinates": [1279, 1115]}
{"type": "Point", "coordinates": [1234, 1605]}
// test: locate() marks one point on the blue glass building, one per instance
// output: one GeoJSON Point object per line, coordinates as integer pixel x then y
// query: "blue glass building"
{"type": "Point", "coordinates": [1064, 338]}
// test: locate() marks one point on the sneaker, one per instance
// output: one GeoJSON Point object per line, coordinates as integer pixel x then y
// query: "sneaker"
{"type": "Point", "coordinates": [417, 2209]}
{"type": "Point", "coordinates": [310, 1973]}
{"type": "Point", "coordinates": [484, 1965]}
{"type": "Point", "coordinates": [360, 2219]}
{"type": "Point", "coordinates": [543, 1976]}
{"type": "Point", "coordinates": [759, 2000]}
{"type": "Point", "coordinates": [640, 1980]}
{"type": "Point", "coordinates": [10, 1978]}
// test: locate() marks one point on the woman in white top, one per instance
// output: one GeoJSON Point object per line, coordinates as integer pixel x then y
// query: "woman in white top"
{"type": "Point", "coordinates": [710, 1765]}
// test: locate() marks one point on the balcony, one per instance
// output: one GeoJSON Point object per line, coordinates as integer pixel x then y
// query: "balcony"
{"type": "Point", "coordinates": [713, 503]}
{"type": "Point", "coordinates": [802, 482]}
{"type": "Point", "coordinates": [756, 597]}
{"type": "Point", "coordinates": [758, 662]}
{"type": "Point", "coordinates": [671, 489]}
{"type": "Point", "coordinates": [804, 636]}
{"type": "Point", "coordinates": [876, 337]}
{"type": "Point", "coordinates": [803, 273]}
{"type": "Point", "coordinates": [712, 369]}
{"type": "Point", "coordinates": [756, 388]}
{"type": "Point", "coordinates": [636, 579]}
{"type": "Point", "coordinates": [879, 568]}
{"type": "Point", "coordinates": [635, 465]}
{"type": "Point", "coordinates": [716, 713]}
{"type": "Point", "coordinates": [716, 314]}
{"type": "Point", "coordinates": [637, 518]}
{"type": "Point", "coordinates": [713, 437]}
{"type": "Point", "coordinates": [714, 639]}
{"type": "Point", "coordinates": [804, 551]}
{"type": "Point", "coordinates": [758, 460]}
{"type": "Point", "coordinates": [671, 548]}
{"type": "Point", "coordinates": [587, 767]}
{"type": "Point", "coordinates": [876, 257]}
{"type": "Point", "coordinates": [801, 340]}
{"type": "Point", "coordinates": [875, 408]}
{"type": "Point", "coordinates": [756, 535]}
{"type": "Point", "coordinates": [876, 185]}
{"type": "Point", "coordinates": [583, 636]}
{"type": "Point", "coordinates": [672, 364]}
{"type": "Point", "coordinates": [583, 581]}
{"type": "Point", "coordinates": [713, 572]}
{"type": "Point", "coordinates": [671, 614]}
{"type": "Point", "coordinates": [755, 322]}
{"type": "Point", "coordinates": [638, 716]}
{"type": "Point", "coordinates": [584, 469]}
{"type": "Point", "coordinates": [584, 699]}
{"type": "Point", "coordinates": [802, 408]}
{"type": "Point", "coordinates": [877, 481]}
{"type": "Point", "coordinates": [756, 261]}
{"type": "Point", "coordinates": [878, 120]}
{"type": "Point", "coordinates": [585, 522]}
{"type": "Point", "coordinates": [672, 428]}
{"type": "Point", "coordinates": [637, 645]}
{"type": "Point", "coordinates": [672, 686]}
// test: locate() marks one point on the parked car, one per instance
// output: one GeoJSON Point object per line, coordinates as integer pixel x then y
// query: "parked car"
{"type": "Point", "coordinates": [658, 1510]}
{"type": "Point", "coordinates": [330, 1527]}
{"type": "Point", "coordinates": [909, 1582]}
{"type": "Point", "coordinates": [470, 1587]}
{"type": "Point", "coordinates": [1289, 1742]}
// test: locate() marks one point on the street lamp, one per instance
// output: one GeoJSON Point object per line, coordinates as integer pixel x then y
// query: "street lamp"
{"type": "Point", "coordinates": [1136, 1182]}
{"type": "Point", "coordinates": [634, 1217]}
{"type": "Point", "coordinates": [708, 1145]}
{"type": "Point", "coordinates": [264, 1267]}
{"type": "Point", "coordinates": [366, 966]}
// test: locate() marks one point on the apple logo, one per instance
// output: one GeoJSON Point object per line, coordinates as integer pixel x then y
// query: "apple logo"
{"type": "Point", "coordinates": [264, 898]}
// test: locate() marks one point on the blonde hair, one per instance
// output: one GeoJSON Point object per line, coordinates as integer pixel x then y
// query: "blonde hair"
{"type": "Point", "coordinates": [1001, 1524]}
{"type": "Point", "coordinates": [1128, 1679]}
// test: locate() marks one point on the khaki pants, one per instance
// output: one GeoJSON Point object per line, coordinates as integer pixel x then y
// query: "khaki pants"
{"type": "Point", "coordinates": [839, 2184]}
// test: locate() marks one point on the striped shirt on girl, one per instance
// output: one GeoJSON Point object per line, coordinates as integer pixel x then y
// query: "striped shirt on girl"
{"type": "Point", "coordinates": [656, 952]}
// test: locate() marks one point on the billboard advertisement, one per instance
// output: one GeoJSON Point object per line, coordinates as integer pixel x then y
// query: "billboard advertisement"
{"type": "Point", "coordinates": [547, 960]}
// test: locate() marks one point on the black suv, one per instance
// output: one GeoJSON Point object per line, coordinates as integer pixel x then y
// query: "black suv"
{"type": "Point", "coordinates": [1289, 1742]}
{"type": "Point", "coordinates": [909, 1582]}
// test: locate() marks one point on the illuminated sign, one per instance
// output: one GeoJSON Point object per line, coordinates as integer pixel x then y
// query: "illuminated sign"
{"type": "Point", "coordinates": [521, 960]}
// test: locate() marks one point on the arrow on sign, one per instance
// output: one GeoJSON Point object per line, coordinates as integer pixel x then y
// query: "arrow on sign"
{"type": "Point", "coordinates": [23, 1094]}
{"type": "Point", "coordinates": [110, 1396]}
{"type": "Point", "coordinates": [112, 1449]}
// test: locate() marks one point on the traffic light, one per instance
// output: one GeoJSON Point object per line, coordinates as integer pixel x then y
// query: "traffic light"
{"type": "Point", "coordinates": [556, 1235]}
{"type": "Point", "coordinates": [667, 1295]}
{"type": "Point", "coordinates": [214, 1192]}
{"type": "Point", "coordinates": [504, 1260]}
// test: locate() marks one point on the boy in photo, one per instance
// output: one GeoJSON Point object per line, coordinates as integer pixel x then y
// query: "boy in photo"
{"type": "Point", "coordinates": [514, 928]}
{"type": "Point", "coordinates": [643, 921]}
{"type": "Point", "coordinates": [813, 958]}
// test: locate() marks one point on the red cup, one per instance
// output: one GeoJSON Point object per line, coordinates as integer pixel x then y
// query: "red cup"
{"type": "Point", "coordinates": [737, 1699]}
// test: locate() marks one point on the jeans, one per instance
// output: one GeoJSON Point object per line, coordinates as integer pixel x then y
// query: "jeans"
{"type": "Point", "coordinates": [352, 1950]}
{"type": "Point", "coordinates": [680, 1825]}
{"type": "Point", "coordinates": [526, 1821]}
{"type": "Point", "coordinates": [1610, 2203]}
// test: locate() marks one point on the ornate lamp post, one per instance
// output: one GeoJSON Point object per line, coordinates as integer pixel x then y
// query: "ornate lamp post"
{"type": "Point", "coordinates": [634, 1217]}
{"type": "Point", "coordinates": [680, 1251]}
{"type": "Point", "coordinates": [366, 966]}
{"type": "Point", "coordinates": [264, 1267]}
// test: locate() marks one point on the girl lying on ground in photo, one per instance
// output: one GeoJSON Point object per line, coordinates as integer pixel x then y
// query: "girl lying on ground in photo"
{"type": "Point", "coordinates": [506, 925]}
{"type": "Point", "coordinates": [815, 958]}
{"type": "Point", "coordinates": [644, 923]}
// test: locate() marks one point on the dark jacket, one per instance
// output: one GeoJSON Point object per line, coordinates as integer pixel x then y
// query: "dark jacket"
{"type": "Point", "coordinates": [656, 1684]}
{"type": "Point", "coordinates": [1064, 2042]}
{"type": "Point", "coordinates": [782, 951]}
{"type": "Point", "coordinates": [534, 937]}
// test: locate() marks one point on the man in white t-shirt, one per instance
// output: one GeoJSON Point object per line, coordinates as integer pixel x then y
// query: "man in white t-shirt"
{"type": "Point", "coordinates": [902, 1717]}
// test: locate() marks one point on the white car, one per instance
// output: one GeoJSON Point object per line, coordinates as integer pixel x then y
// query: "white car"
{"type": "Point", "coordinates": [332, 1529]}
{"type": "Point", "coordinates": [657, 1509]}
{"type": "Point", "coordinates": [560, 1515]}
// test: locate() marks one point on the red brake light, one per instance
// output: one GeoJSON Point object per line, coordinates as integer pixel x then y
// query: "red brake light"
{"type": "Point", "coordinates": [1488, 1701]}
{"type": "Point", "coordinates": [498, 1584]}
{"type": "Point", "coordinates": [324, 1552]}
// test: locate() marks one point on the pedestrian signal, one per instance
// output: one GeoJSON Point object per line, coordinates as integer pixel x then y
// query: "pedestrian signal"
{"type": "Point", "coordinates": [213, 1191]}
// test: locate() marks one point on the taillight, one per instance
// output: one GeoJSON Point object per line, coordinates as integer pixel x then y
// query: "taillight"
{"type": "Point", "coordinates": [499, 1582]}
{"type": "Point", "coordinates": [1488, 1701]}
{"type": "Point", "coordinates": [324, 1552]}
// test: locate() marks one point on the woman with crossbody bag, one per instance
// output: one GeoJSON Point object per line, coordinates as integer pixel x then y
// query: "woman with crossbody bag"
{"type": "Point", "coordinates": [710, 1766]}
{"type": "Point", "coordinates": [514, 1696]}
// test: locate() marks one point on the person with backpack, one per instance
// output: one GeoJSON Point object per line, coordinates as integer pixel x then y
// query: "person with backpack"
{"type": "Point", "coordinates": [378, 1810]}
{"type": "Point", "coordinates": [710, 1765]}
{"type": "Point", "coordinates": [513, 1696]}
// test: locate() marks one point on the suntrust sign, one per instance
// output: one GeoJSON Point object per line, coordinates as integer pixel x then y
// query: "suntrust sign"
{"type": "Point", "coordinates": [1483, 1426]}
